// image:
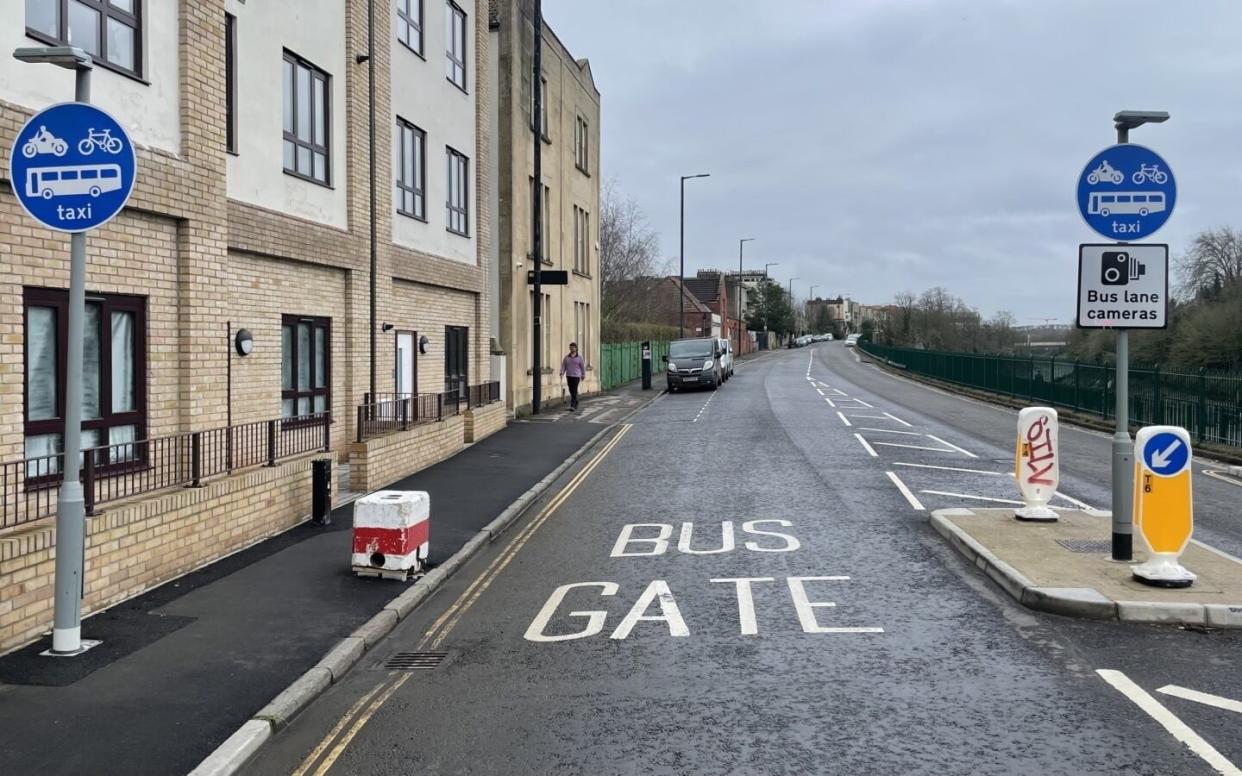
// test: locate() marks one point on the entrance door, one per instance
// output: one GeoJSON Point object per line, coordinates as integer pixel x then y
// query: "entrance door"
{"type": "Point", "coordinates": [456, 365]}
{"type": "Point", "coordinates": [406, 383]}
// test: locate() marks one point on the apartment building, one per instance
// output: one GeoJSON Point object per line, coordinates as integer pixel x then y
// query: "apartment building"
{"type": "Point", "coordinates": [568, 129]}
{"type": "Point", "coordinates": [229, 305]}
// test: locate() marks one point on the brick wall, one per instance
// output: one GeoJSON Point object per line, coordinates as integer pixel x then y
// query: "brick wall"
{"type": "Point", "coordinates": [380, 462]}
{"type": "Point", "coordinates": [482, 422]}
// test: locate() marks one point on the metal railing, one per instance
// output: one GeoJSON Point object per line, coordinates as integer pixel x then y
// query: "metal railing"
{"type": "Point", "coordinates": [483, 394]}
{"type": "Point", "coordinates": [400, 413]}
{"type": "Point", "coordinates": [1208, 404]}
{"type": "Point", "coordinates": [28, 488]}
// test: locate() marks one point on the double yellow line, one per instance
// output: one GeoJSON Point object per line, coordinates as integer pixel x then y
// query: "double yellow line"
{"type": "Point", "coordinates": [366, 706]}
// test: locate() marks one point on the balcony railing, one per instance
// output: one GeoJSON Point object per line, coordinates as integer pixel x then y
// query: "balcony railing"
{"type": "Point", "coordinates": [28, 488]}
{"type": "Point", "coordinates": [387, 413]}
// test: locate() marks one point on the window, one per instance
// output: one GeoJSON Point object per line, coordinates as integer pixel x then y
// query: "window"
{"type": "Point", "coordinates": [230, 83]}
{"type": "Point", "coordinates": [113, 374]}
{"type": "Point", "coordinates": [546, 233]}
{"type": "Point", "coordinates": [411, 170]}
{"type": "Point", "coordinates": [305, 366]}
{"type": "Point", "coordinates": [582, 241]}
{"type": "Point", "coordinates": [109, 30]}
{"type": "Point", "coordinates": [410, 24]}
{"type": "Point", "coordinates": [455, 34]}
{"type": "Point", "coordinates": [542, 109]}
{"type": "Point", "coordinates": [456, 361]}
{"type": "Point", "coordinates": [582, 156]}
{"type": "Point", "coordinates": [582, 330]}
{"type": "Point", "coordinates": [545, 317]}
{"type": "Point", "coordinates": [306, 108]}
{"type": "Point", "coordinates": [458, 193]}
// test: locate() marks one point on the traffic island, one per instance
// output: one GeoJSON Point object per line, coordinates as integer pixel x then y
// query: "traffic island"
{"type": "Point", "coordinates": [1065, 568]}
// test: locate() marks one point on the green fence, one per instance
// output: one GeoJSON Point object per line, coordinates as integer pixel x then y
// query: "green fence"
{"type": "Point", "coordinates": [621, 362]}
{"type": "Point", "coordinates": [1207, 404]}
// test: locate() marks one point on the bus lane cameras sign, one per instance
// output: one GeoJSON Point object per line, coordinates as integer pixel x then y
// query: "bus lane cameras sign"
{"type": "Point", "coordinates": [1123, 286]}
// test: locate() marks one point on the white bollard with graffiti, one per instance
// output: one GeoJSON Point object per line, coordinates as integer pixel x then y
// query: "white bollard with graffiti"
{"type": "Point", "coordinates": [1037, 463]}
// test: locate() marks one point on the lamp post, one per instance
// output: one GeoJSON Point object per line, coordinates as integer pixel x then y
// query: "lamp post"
{"type": "Point", "coordinates": [70, 504]}
{"type": "Point", "coordinates": [740, 245]}
{"type": "Point", "coordinates": [810, 295]}
{"type": "Point", "coordinates": [766, 304]}
{"type": "Point", "coordinates": [1123, 446]}
{"type": "Point", "coordinates": [536, 310]}
{"type": "Point", "coordinates": [681, 291]}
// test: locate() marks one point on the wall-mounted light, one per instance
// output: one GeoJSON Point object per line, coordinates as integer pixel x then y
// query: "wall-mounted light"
{"type": "Point", "coordinates": [422, 344]}
{"type": "Point", "coordinates": [386, 327]}
{"type": "Point", "coordinates": [244, 342]}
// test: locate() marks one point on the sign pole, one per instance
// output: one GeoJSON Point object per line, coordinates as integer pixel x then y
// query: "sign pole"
{"type": "Point", "coordinates": [70, 506]}
{"type": "Point", "coordinates": [1123, 446]}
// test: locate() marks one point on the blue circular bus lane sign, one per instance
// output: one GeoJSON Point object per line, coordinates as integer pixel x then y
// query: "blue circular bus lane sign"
{"type": "Point", "coordinates": [1126, 192]}
{"type": "Point", "coordinates": [72, 167]}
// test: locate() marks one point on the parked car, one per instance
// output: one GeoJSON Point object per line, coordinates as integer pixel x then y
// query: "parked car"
{"type": "Point", "coordinates": [726, 357]}
{"type": "Point", "coordinates": [852, 340]}
{"type": "Point", "coordinates": [693, 363]}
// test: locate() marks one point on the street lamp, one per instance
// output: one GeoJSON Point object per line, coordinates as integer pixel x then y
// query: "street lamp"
{"type": "Point", "coordinates": [740, 245]}
{"type": "Point", "coordinates": [791, 280]}
{"type": "Point", "coordinates": [70, 505]}
{"type": "Point", "coordinates": [769, 264]}
{"type": "Point", "coordinates": [681, 281]}
{"type": "Point", "coordinates": [1123, 447]}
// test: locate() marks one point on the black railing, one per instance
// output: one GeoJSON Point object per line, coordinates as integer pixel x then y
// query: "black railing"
{"type": "Point", "coordinates": [483, 393]}
{"type": "Point", "coordinates": [390, 415]}
{"type": "Point", "coordinates": [28, 488]}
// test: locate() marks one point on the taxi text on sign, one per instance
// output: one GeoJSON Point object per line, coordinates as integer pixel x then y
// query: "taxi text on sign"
{"type": "Point", "coordinates": [1037, 462]}
{"type": "Point", "coordinates": [72, 167]}
{"type": "Point", "coordinates": [1123, 286]}
{"type": "Point", "coordinates": [1163, 502]}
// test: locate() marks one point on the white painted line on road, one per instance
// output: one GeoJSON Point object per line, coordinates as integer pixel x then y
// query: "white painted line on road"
{"type": "Point", "coordinates": [704, 407]}
{"type": "Point", "coordinates": [890, 431]}
{"type": "Point", "coordinates": [860, 415]}
{"type": "Point", "coordinates": [868, 447]}
{"type": "Point", "coordinates": [901, 486]}
{"type": "Point", "coordinates": [950, 444]}
{"type": "Point", "coordinates": [1222, 477]}
{"type": "Point", "coordinates": [899, 420]}
{"type": "Point", "coordinates": [844, 419]}
{"type": "Point", "coordinates": [840, 392]}
{"type": "Point", "coordinates": [863, 403]}
{"type": "Point", "coordinates": [830, 404]}
{"type": "Point", "coordinates": [1202, 697]}
{"type": "Point", "coordinates": [1167, 719]}
{"type": "Point", "coordinates": [1072, 500]}
{"type": "Point", "coordinates": [953, 469]}
{"type": "Point", "coordinates": [915, 447]}
{"type": "Point", "coordinates": [967, 495]}
{"type": "Point", "coordinates": [821, 393]}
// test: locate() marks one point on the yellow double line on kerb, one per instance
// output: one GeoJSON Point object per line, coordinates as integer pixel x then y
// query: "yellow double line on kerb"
{"type": "Point", "coordinates": [366, 706]}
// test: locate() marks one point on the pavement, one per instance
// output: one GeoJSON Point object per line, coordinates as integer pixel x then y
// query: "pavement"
{"type": "Point", "coordinates": [183, 666]}
{"type": "Point", "coordinates": [746, 581]}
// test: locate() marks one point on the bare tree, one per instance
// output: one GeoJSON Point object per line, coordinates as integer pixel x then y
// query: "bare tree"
{"type": "Point", "coordinates": [1213, 262]}
{"type": "Point", "coordinates": [629, 252]}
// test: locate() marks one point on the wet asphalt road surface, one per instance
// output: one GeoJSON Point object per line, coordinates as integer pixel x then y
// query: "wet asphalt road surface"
{"type": "Point", "coordinates": [861, 644]}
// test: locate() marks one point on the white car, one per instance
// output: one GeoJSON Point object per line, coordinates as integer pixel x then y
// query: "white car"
{"type": "Point", "coordinates": [852, 340]}
{"type": "Point", "coordinates": [726, 357]}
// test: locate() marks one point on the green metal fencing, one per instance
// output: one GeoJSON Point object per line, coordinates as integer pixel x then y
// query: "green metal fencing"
{"type": "Point", "coordinates": [621, 362]}
{"type": "Point", "coordinates": [1207, 404]}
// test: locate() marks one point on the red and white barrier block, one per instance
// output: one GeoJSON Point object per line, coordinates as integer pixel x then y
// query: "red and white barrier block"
{"type": "Point", "coordinates": [391, 533]}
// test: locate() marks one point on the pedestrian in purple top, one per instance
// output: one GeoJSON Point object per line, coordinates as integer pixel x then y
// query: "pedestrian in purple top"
{"type": "Point", "coordinates": [574, 369]}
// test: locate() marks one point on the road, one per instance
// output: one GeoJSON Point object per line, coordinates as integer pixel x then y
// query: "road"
{"type": "Point", "coordinates": [733, 583]}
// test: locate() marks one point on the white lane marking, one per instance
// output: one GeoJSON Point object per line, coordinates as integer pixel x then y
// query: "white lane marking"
{"type": "Point", "coordinates": [976, 498]}
{"type": "Point", "coordinates": [889, 431]}
{"type": "Point", "coordinates": [703, 408]}
{"type": "Point", "coordinates": [1202, 697]}
{"type": "Point", "coordinates": [953, 469]}
{"type": "Point", "coordinates": [901, 486]}
{"type": "Point", "coordinates": [950, 444]}
{"type": "Point", "coordinates": [860, 415]}
{"type": "Point", "coordinates": [1072, 500]}
{"type": "Point", "coordinates": [844, 419]}
{"type": "Point", "coordinates": [915, 447]}
{"type": "Point", "coordinates": [1169, 721]}
{"type": "Point", "coordinates": [830, 404]}
{"type": "Point", "coordinates": [821, 393]}
{"type": "Point", "coordinates": [1222, 477]}
{"type": "Point", "coordinates": [860, 401]}
{"type": "Point", "coordinates": [868, 447]}
{"type": "Point", "coordinates": [840, 392]}
{"type": "Point", "coordinates": [899, 420]}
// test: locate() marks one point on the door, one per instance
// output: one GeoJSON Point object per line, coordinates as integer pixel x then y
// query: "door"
{"type": "Point", "coordinates": [456, 366]}
{"type": "Point", "coordinates": [406, 381]}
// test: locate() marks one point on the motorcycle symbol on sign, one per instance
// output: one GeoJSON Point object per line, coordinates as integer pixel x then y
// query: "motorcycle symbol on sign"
{"type": "Point", "coordinates": [44, 142]}
{"type": "Point", "coordinates": [1106, 172]}
{"type": "Point", "coordinates": [102, 140]}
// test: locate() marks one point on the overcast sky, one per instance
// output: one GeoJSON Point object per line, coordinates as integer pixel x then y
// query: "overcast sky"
{"type": "Point", "coordinates": [877, 146]}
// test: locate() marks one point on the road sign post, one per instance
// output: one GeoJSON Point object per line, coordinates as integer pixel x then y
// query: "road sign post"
{"type": "Point", "coordinates": [72, 168]}
{"type": "Point", "coordinates": [1163, 504]}
{"type": "Point", "coordinates": [1037, 463]}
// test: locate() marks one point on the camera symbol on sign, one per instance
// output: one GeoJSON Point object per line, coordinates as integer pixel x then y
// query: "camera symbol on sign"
{"type": "Point", "coordinates": [1118, 268]}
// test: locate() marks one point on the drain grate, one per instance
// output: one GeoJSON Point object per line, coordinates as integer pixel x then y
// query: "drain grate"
{"type": "Point", "coordinates": [414, 661]}
{"type": "Point", "coordinates": [1086, 545]}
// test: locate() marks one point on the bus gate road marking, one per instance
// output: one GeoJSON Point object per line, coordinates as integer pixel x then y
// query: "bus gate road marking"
{"type": "Point", "coordinates": [1202, 697]}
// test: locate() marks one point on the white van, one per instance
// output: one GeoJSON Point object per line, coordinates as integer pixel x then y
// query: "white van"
{"type": "Point", "coordinates": [726, 358]}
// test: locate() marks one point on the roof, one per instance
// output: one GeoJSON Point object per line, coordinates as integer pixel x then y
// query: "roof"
{"type": "Point", "coordinates": [694, 299]}
{"type": "Point", "coordinates": [705, 288]}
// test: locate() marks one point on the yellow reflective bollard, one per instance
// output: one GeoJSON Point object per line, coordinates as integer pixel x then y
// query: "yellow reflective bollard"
{"type": "Point", "coordinates": [1037, 463]}
{"type": "Point", "coordinates": [1163, 504]}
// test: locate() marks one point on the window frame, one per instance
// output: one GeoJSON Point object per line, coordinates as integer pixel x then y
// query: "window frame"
{"type": "Point", "coordinates": [289, 57]}
{"type": "Point", "coordinates": [582, 241]}
{"type": "Point", "coordinates": [58, 300]}
{"type": "Point", "coordinates": [452, 155]}
{"type": "Point", "coordinates": [454, 10]}
{"type": "Point", "coordinates": [230, 83]}
{"type": "Point", "coordinates": [106, 11]}
{"type": "Point", "coordinates": [546, 234]}
{"type": "Point", "coordinates": [418, 187]}
{"type": "Point", "coordinates": [316, 322]}
{"type": "Point", "coordinates": [582, 148]}
{"type": "Point", "coordinates": [411, 24]}
{"type": "Point", "coordinates": [542, 131]}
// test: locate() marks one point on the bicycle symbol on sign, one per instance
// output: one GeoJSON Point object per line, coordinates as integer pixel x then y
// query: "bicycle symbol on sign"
{"type": "Point", "coordinates": [102, 140]}
{"type": "Point", "coordinates": [1150, 172]}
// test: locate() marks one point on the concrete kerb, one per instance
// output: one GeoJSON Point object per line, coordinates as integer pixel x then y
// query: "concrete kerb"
{"type": "Point", "coordinates": [237, 749]}
{"type": "Point", "coordinates": [1081, 602]}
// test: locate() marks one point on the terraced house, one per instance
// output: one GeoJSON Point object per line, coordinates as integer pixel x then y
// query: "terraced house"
{"type": "Point", "coordinates": [229, 327]}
